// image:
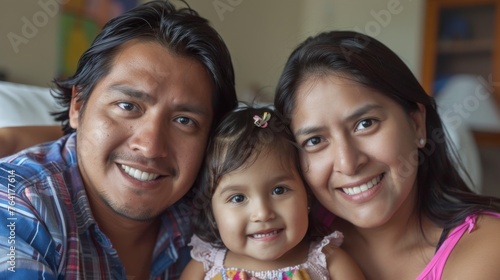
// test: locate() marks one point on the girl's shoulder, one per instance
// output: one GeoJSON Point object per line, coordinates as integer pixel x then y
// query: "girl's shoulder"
{"type": "Point", "coordinates": [478, 250]}
{"type": "Point", "coordinates": [334, 239]}
{"type": "Point", "coordinates": [339, 264]}
{"type": "Point", "coordinates": [206, 253]}
{"type": "Point", "coordinates": [320, 249]}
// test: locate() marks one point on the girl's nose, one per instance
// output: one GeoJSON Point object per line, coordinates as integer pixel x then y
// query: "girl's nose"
{"type": "Point", "coordinates": [262, 211]}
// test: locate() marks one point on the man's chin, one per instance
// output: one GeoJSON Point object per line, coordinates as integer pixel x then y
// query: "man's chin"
{"type": "Point", "coordinates": [138, 215]}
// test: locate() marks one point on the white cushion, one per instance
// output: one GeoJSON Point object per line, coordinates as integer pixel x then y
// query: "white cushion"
{"type": "Point", "coordinates": [465, 104]}
{"type": "Point", "coordinates": [25, 105]}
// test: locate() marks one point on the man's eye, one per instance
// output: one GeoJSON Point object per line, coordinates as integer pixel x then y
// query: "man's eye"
{"type": "Point", "coordinates": [312, 141]}
{"type": "Point", "coordinates": [126, 106]}
{"type": "Point", "coordinates": [184, 120]}
{"type": "Point", "coordinates": [279, 190]}
{"type": "Point", "coordinates": [237, 198]}
{"type": "Point", "coordinates": [363, 124]}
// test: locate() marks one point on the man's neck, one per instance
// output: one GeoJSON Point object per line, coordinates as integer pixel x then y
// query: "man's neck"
{"type": "Point", "coordinates": [119, 228]}
{"type": "Point", "coordinates": [133, 240]}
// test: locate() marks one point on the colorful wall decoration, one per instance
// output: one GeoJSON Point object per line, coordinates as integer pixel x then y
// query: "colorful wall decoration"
{"type": "Point", "coordinates": [80, 22]}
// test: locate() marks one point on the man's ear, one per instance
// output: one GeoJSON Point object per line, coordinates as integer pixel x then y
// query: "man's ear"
{"type": "Point", "coordinates": [418, 118]}
{"type": "Point", "coordinates": [74, 108]}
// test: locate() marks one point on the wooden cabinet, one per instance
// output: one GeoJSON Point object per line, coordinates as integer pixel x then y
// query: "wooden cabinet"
{"type": "Point", "coordinates": [463, 37]}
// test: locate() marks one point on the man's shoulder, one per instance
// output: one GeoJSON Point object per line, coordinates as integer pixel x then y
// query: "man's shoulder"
{"type": "Point", "coordinates": [37, 164]}
{"type": "Point", "coordinates": [44, 155]}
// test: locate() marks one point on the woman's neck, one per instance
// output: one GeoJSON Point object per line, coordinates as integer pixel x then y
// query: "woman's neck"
{"type": "Point", "coordinates": [400, 247]}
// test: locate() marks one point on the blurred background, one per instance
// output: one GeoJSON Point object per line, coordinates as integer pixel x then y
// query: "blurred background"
{"type": "Point", "coordinates": [37, 34]}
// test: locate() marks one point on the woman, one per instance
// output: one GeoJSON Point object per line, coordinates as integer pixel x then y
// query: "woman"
{"type": "Point", "coordinates": [375, 154]}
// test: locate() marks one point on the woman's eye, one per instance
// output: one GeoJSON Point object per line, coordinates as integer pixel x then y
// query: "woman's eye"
{"type": "Point", "coordinates": [237, 198]}
{"type": "Point", "coordinates": [313, 141]}
{"type": "Point", "coordinates": [126, 106]}
{"type": "Point", "coordinates": [363, 124]}
{"type": "Point", "coordinates": [279, 190]}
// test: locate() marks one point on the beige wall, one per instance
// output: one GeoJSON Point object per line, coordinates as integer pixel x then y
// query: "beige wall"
{"type": "Point", "coordinates": [397, 23]}
{"type": "Point", "coordinates": [28, 37]}
{"type": "Point", "coordinates": [259, 33]}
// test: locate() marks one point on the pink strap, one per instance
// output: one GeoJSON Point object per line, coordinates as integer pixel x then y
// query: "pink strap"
{"type": "Point", "coordinates": [434, 270]}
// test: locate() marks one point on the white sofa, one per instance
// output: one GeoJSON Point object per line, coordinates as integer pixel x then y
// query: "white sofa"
{"type": "Point", "coordinates": [25, 105]}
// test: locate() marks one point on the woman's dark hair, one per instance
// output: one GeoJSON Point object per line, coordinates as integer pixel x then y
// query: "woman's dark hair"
{"type": "Point", "coordinates": [182, 31]}
{"type": "Point", "coordinates": [443, 196]}
{"type": "Point", "coordinates": [236, 144]}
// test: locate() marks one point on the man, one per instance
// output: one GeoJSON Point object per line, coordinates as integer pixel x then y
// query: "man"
{"type": "Point", "coordinates": [106, 200]}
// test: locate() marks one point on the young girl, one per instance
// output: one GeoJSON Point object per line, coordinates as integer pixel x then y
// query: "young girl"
{"type": "Point", "coordinates": [253, 220]}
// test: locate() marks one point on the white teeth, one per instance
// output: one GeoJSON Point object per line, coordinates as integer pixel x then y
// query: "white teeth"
{"type": "Point", "coordinates": [363, 187]}
{"type": "Point", "coordinates": [138, 174]}
{"type": "Point", "coordinates": [264, 235]}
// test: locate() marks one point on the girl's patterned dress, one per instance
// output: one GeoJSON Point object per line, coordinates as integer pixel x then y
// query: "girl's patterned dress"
{"type": "Point", "coordinates": [313, 268]}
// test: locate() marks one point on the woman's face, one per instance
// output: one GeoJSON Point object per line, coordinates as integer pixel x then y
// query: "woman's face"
{"type": "Point", "coordinates": [360, 149]}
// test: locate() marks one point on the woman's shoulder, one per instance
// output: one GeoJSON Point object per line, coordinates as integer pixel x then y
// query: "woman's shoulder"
{"type": "Point", "coordinates": [485, 230]}
{"type": "Point", "coordinates": [478, 251]}
{"type": "Point", "coordinates": [482, 228]}
{"type": "Point", "coordinates": [481, 234]}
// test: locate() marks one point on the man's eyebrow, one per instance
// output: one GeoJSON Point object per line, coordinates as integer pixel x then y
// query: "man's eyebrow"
{"type": "Point", "coordinates": [199, 110]}
{"type": "Point", "coordinates": [132, 92]}
{"type": "Point", "coordinates": [144, 96]}
{"type": "Point", "coordinates": [308, 130]}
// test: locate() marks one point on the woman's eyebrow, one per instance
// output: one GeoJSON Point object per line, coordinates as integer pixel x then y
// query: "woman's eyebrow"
{"type": "Point", "coordinates": [308, 130]}
{"type": "Point", "coordinates": [356, 114]}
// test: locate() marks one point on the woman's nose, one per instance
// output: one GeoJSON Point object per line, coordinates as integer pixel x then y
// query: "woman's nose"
{"type": "Point", "coordinates": [348, 156]}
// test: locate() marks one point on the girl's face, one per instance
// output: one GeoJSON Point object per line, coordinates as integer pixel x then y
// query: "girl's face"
{"type": "Point", "coordinates": [360, 149]}
{"type": "Point", "coordinates": [261, 210]}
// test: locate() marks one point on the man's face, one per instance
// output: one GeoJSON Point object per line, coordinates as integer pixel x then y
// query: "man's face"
{"type": "Point", "coordinates": [141, 136]}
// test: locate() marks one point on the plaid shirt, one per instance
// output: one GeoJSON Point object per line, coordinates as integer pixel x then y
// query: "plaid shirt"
{"type": "Point", "coordinates": [47, 229]}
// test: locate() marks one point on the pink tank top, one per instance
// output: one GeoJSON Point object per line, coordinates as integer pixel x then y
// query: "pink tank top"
{"type": "Point", "coordinates": [434, 269]}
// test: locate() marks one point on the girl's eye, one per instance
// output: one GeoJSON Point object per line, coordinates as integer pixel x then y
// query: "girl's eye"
{"type": "Point", "coordinates": [279, 190]}
{"type": "Point", "coordinates": [313, 141]}
{"type": "Point", "coordinates": [126, 106]}
{"type": "Point", "coordinates": [364, 124]}
{"type": "Point", "coordinates": [237, 198]}
{"type": "Point", "coordinates": [184, 120]}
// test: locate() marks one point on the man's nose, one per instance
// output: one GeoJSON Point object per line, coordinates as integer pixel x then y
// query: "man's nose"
{"type": "Point", "coordinates": [151, 140]}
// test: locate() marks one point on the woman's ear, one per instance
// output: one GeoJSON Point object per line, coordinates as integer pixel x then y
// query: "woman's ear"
{"type": "Point", "coordinates": [418, 118]}
{"type": "Point", "coordinates": [74, 108]}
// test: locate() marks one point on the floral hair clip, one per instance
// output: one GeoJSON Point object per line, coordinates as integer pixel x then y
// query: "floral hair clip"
{"type": "Point", "coordinates": [262, 122]}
